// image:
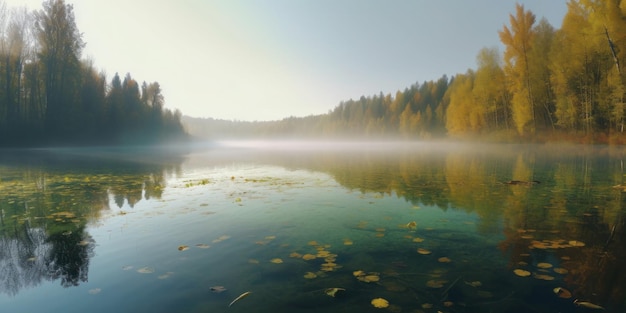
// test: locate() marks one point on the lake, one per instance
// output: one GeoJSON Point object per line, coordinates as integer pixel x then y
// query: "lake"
{"type": "Point", "coordinates": [314, 227]}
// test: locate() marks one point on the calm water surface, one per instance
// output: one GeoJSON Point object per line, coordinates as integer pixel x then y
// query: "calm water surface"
{"type": "Point", "coordinates": [428, 228]}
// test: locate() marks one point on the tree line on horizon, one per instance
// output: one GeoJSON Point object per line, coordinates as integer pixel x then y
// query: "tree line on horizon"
{"type": "Point", "coordinates": [50, 96]}
{"type": "Point", "coordinates": [554, 82]}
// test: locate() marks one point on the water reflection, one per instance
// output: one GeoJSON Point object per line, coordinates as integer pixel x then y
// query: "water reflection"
{"type": "Point", "coordinates": [47, 198]}
{"type": "Point", "coordinates": [572, 219]}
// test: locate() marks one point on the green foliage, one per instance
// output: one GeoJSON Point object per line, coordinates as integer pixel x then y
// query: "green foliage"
{"type": "Point", "coordinates": [48, 95]}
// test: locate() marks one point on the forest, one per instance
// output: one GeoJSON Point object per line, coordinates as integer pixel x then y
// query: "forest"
{"type": "Point", "coordinates": [547, 85]}
{"type": "Point", "coordinates": [49, 95]}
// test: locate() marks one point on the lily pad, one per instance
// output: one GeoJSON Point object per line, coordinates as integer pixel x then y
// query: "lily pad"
{"type": "Point", "coordinates": [276, 261]}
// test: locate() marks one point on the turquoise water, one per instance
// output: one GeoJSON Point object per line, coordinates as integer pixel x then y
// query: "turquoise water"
{"type": "Point", "coordinates": [103, 232]}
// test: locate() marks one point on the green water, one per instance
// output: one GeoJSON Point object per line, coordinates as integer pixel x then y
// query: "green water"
{"type": "Point", "coordinates": [154, 230]}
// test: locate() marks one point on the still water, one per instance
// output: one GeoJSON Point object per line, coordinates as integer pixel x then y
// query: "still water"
{"type": "Point", "coordinates": [314, 227]}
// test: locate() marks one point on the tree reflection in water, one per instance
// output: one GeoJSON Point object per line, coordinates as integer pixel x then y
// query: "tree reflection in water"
{"type": "Point", "coordinates": [46, 201]}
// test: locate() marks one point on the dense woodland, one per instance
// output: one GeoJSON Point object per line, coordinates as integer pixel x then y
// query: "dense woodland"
{"type": "Point", "coordinates": [548, 84]}
{"type": "Point", "coordinates": [50, 96]}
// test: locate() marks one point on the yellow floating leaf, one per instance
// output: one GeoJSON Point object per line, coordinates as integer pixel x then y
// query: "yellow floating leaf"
{"type": "Point", "coordinates": [543, 277]}
{"type": "Point", "coordinates": [270, 237]}
{"type": "Point", "coordinates": [183, 248]}
{"type": "Point", "coordinates": [358, 273]}
{"type": "Point", "coordinates": [521, 272]}
{"type": "Point", "coordinates": [544, 265]}
{"type": "Point", "coordinates": [418, 239]}
{"type": "Point", "coordinates": [412, 225]}
{"type": "Point", "coordinates": [423, 251]}
{"type": "Point", "coordinates": [295, 255]}
{"type": "Point", "coordinates": [310, 275]}
{"type": "Point", "coordinates": [427, 306]}
{"type": "Point", "coordinates": [276, 261]}
{"type": "Point", "coordinates": [372, 278]}
{"type": "Point", "coordinates": [203, 246]}
{"type": "Point", "coordinates": [380, 303]}
{"type": "Point", "coordinates": [323, 254]}
{"type": "Point", "coordinates": [333, 291]}
{"type": "Point", "coordinates": [312, 243]}
{"type": "Point", "coordinates": [562, 293]}
{"type": "Point", "coordinates": [560, 270]}
{"type": "Point", "coordinates": [576, 243]}
{"type": "Point", "coordinates": [308, 256]}
{"type": "Point", "coordinates": [444, 260]}
{"type": "Point", "coordinates": [347, 242]}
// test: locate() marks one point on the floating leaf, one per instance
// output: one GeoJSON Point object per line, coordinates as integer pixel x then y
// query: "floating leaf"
{"type": "Point", "coordinates": [588, 305]}
{"type": "Point", "coordinates": [183, 248]}
{"type": "Point", "coordinates": [217, 289]}
{"type": "Point", "coordinates": [423, 251]}
{"type": "Point", "coordinates": [358, 273]}
{"type": "Point", "coordinates": [560, 270]}
{"type": "Point", "coordinates": [444, 260]}
{"type": "Point", "coordinates": [521, 272]}
{"type": "Point", "coordinates": [347, 242]}
{"type": "Point", "coordinates": [243, 295]}
{"type": "Point", "coordinates": [165, 276]}
{"type": "Point", "coordinates": [333, 291]}
{"type": "Point", "coordinates": [412, 225]}
{"type": "Point", "coordinates": [276, 261]}
{"type": "Point", "coordinates": [433, 283]}
{"type": "Point", "coordinates": [544, 265]}
{"type": "Point", "coordinates": [427, 306]}
{"type": "Point", "coordinates": [308, 257]}
{"type": "Point", "coordinates": [295, 255]}
{"type": "Point", "coordinates": [473, 283]}
{"type": "Point", "coordinates": [562, 292]}
{"type": "Point", "coordinates": [543, 277]}
{"type": "Point", "coordinates": [576, 243]}
{"type": "Point", "coordinates": [94, 291]}
{"type": "Point", "coordinates": [310, 275]}
{"type": "Point", "coordinates": [312, 243]}
{"type": "Point", "coordinates": [380, 303]}
{"type": "Point", "coordinates": [270, 237]}
{"type": "Point", "coordinates": [146, 270]}
{"type": "Point", "coordinates": [203, 246]}
{"type": "Point", "coordinates": [418, 239]}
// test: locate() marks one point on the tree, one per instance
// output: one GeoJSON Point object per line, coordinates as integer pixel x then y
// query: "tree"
{"type": "Point", "coordinates": [518, 40]}
{"type": "Point", "coordinates": [61, 45]}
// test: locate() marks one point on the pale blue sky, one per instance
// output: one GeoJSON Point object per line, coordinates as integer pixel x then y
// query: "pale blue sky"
{"type": "Point", "coordinates": [269, 59]}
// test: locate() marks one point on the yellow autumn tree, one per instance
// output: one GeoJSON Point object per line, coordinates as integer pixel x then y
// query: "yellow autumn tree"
{"type": "Point", "coordinates": [517, 40]}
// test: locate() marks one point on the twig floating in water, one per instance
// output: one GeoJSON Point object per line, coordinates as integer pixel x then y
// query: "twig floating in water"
{"type": "Point", "coordinates": [243, 295]}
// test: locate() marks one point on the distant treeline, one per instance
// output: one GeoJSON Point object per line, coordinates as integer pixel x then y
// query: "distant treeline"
{"type": "Point", "coordinates": [50, 96]}
{"type": "Point", "coordinates": [548, 84]}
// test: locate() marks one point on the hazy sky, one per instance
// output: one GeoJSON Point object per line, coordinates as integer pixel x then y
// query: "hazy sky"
{"type": "Point", "coordinates": [269, 59]}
